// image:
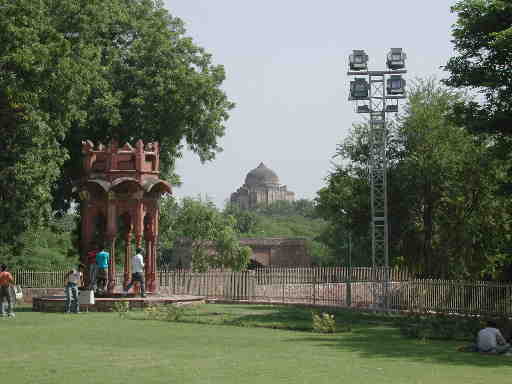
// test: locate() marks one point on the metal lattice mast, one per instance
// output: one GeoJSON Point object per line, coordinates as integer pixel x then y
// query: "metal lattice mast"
{"type": "Point", "coordinates": [378, 171]}
{"type": "Point", "coordinates": [376, 89]}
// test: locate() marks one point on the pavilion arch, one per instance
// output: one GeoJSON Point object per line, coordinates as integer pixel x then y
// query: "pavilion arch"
{"type": "Point", "coordinates": [126, 185]}
{"type": "Point", "coordinates": [97, 188]}
{"type": "Point", "coordinates": [156, 187]}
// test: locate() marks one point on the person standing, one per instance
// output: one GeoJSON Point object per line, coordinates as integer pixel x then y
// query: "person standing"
{"type": "Point", "coordinates": [137, 272]}
{"type": "Point", "coordinates": [92, 267]}
{"type": "Point", "coordinates": [74, 278]}
{"type": "Point", "coordinates": [6, 280]}
{"type": "Point", "coordinates": [491, 340]}
{"type": "Point", "coordinates": [102, 265]}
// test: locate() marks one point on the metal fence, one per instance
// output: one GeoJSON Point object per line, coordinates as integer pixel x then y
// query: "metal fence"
{"type": "Point", "coordinates": [340, 286]}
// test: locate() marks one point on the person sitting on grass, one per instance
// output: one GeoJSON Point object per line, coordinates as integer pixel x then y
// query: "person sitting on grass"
{"type": "Point", "coordinates": [6, 280]}
{"type": "Point", "coordinates": [490, 340]}
{"type": "Point", "coordinates": [74, 278]}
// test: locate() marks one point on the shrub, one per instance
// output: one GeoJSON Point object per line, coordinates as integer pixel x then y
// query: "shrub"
{"type": "Point", "coordinates": [323, 322]}
{"type": "Point", "coordinates": [164, 312]}
{"type": "Point", "coordinates": [440, 326]}
{"type": "Point", "coordinates": [121, 308]}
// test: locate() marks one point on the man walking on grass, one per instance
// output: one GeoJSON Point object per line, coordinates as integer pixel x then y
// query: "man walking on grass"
{"type": "Point", "coordinates": [137, 272]}
{"type": "Point", "coordinates": [6, 280]}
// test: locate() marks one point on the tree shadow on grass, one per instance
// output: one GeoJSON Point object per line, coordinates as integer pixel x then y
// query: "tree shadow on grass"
{"type": "Point", "coordinates": [385, 342]}
{"type": "Point", "coordinates": [300, 317]}
{"type": "Point", "coordinates": [272, 314]}
{"type": "Point", "coordinates": [23, 309]}
{"type": "Point", "coordinates": [374, 335]}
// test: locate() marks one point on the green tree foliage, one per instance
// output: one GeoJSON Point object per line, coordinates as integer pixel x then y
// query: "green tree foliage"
{"type": "Point", "coordinates": [446, 217]}
{"type": "Point", "coordinates": [34, 69]}
{"type": "Point", "coordinates": [154, 83]}
{"type": "Point", "coordinates": [301, 207]}
{"type": "Point", "coordinates": [72, 70]}
{"type": "Point", "coordinates": [208, 230]}
{"type": "Point", "coordinates": [295, 219]}
{"type": "Point", "coordinates": [245, 221]}
{"type": "Point", "coordinates": [49, 247]}
{"type": "Point", "coordinates": [345, 204]}
{"type": "Point", "coordinates": [483, 43]}
{"type": "Point", "coordinates": [168, 213]}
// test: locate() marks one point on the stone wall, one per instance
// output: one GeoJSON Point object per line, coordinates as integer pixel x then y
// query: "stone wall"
{"type": "Point", "coordinates": [279, 251]}
{"type": "Point", "coordinates": [270, 251]}
{"type": "Point", "coordinates": [30, 293]}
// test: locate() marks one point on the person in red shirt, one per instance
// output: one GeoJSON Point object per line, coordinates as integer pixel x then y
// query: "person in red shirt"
{"type": "Point", "coordinates": [6, 280]}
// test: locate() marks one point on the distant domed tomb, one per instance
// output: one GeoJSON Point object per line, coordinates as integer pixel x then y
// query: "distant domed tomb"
{"type": "Point", "coordinates": [261, 187]}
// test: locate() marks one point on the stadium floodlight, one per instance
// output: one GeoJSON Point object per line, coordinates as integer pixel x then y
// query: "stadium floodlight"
{"type": "Point", "coordinates": [359, 89]}
{"type": "Point", "coordinates": [363, 109]}
{"type": "Point", "coordinates": [377, 92]}
{"type": "Point", "coordinates": [395, 85]}
{"type": "Point", "coordinates": [396, 59]}
{"type": "Point", "coordinates": [358, 60]}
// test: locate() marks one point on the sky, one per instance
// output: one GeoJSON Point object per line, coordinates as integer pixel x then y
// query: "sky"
{"type": "Point", "coordinates": [286, 64]}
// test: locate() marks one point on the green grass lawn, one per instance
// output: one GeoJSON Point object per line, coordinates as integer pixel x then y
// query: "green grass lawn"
{"type": "Point", "coordinates": [104, 348]}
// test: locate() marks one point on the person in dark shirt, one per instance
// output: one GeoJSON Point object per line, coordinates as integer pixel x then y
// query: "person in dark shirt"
{"type": "Point", "coordinates": [92, 267]}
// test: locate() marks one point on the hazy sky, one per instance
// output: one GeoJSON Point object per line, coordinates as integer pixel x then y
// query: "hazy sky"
{"type": "Point", "coordinates": [286, 64]}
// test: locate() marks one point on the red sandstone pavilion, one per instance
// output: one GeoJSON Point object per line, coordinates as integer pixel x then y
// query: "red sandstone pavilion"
{"type": "Point", "coordinates": [119, 194]}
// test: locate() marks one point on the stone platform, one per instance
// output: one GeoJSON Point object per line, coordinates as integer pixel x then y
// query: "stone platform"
{"type": "Point", "coordinates": [106, 304]}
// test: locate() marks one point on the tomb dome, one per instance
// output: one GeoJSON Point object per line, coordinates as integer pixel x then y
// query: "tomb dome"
{"type": "Point", "coordinates": [261, 176]}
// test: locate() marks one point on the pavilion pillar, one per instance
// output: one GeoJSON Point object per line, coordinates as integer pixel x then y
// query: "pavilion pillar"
{"type": "Point", "coordinates": [153, 263]}
{"type": "Point", "coordinates": [149, 236]}
{"type": "Point", "coordinates": [111, 241]}
{"type": "Point", "coordinates": [155, 229]}
{"type": "Point", "coordinates": [127, 258]}
{"type": "Point", "coordinates": [147, 259]}
{"type": "Point", "coordinates": [139, 223]}
{"type": "Point", "coordinates": [150, 269]}
{"type": "Point", "coordinates": [86, 230]}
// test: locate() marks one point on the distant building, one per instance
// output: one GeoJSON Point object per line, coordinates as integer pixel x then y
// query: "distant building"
{"type": "Point", "coordinates": [265, 252]}
{"type": "Point", "coordinates": [261, 187]}
{"type": "Point", "coordinates": [278, 251]}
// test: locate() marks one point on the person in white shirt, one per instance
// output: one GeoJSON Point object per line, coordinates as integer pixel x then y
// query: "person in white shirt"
{"type": "Point", "coordinates": [137, 272]}
{"type": "Point", "coordinates": [491, 340]}
{"type": "Point", "coordinates": [74, 278]}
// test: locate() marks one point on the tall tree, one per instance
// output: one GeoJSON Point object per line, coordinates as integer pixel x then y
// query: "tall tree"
{"type": "Point", "coordinates": [91, 69]}
{"type": "Point", "coordinates": [483, 43]}
{"type": "Point", "coordinates": [456, 223]}
{"type": "Point", "coordinates": [200, 223]}
{"type": "Point", "coordinates": [446, 217]}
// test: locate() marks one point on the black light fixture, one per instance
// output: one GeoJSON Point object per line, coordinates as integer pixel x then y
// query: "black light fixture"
{"type": "Point", "coordinates": [359, 89]}
{"type": "Point", "coordinates": [396, 59]}
{"type": "Point", "coordinates": [395, 85]}
{"type": "Point", "coordinates": [358, 60]}
{"type": "Point", "coordinates": [363, 109]}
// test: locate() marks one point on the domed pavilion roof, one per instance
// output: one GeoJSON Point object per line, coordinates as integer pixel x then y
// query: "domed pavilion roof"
{"type": "Point", "coordinates": [261, 176]}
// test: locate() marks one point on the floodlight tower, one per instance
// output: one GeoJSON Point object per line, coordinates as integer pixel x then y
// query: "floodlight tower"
{"type": "Point", "coordinates": [378, 93]}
